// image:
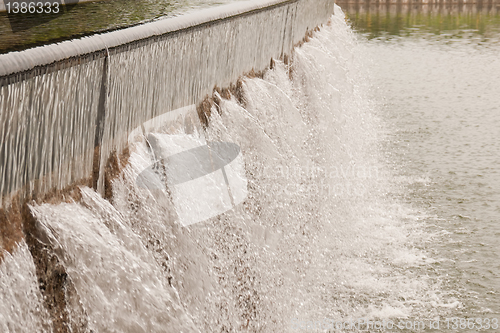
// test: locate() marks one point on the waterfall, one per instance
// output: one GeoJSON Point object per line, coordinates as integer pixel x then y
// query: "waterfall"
{"type": "Point", "coordinates": [21, 309]}
{"type": "Point", "coordinates": [67, 107]}
{"type": "Point", "coordinates": [319, 237]}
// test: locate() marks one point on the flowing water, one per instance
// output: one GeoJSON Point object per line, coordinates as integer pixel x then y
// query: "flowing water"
{"type": "Point", "coordinates": [436, 68]}
{"type": "Point", "coordinates": [361, 204]}
{"type": "Point", "coordinates": [21, 309]}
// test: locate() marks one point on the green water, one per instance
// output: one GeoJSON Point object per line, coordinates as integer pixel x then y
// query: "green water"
{"type": "Point", "coordinates": [375, 21]}
{"type": "Point", "coordinates": [22, 31]}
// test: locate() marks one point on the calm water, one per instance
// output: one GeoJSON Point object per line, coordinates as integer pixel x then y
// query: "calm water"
{"type": "Point", "coordinates": [21, 31]}
{"type": "Point", "coordinates": [438, 74]}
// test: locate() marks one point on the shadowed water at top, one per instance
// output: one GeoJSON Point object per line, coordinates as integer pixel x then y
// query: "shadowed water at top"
{"type": "Point", "coordinates": [24, 30]}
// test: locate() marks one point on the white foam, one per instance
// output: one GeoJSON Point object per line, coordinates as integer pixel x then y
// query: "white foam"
{"type": "Point", "coordinates": [304, 243]}
{"type": "Point", "coordinates": [21, 308]}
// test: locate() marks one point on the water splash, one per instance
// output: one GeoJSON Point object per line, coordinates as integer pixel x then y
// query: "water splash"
{"type": "Point", "coordinates": [21, 309]}
{"type": "Point", "coordinates": [121, 288]}
{"type": "Point", "coordinates": [319, 235]}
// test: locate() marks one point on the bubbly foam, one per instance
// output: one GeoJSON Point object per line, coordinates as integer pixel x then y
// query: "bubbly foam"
{"type": "Point", "coordinates": [321, 233]}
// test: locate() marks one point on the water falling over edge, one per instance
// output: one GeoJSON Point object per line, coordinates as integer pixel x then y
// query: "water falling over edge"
{"type": "Point", "coordinates": [320, 235]}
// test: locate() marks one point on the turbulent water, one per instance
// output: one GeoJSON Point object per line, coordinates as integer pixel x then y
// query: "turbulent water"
{"type": "Point", "coordinates": [21, 308]}
{"type": "Point", "coordinates": [324, 235]}
{"type": "Point", "coordinates": [436, 71]}
{"type": "Point", "coordinates": [447, 140]}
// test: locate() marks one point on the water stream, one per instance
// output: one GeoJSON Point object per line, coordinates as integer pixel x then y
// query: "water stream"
{"type": "Point", "coordinates": [325, 234]}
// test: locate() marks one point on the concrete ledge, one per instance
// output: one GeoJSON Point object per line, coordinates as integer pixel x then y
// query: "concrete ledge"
{"type": "Point", "coordinates": [15, 62]}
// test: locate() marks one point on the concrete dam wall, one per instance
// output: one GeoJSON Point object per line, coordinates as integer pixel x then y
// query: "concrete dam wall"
{"type": "Point", "coordinates": [65, 108]}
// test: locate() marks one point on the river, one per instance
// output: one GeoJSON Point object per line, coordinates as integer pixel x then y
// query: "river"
{"type": "Point", "coordinates": [437, 73]}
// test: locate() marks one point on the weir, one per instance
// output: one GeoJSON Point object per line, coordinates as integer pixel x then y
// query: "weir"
{"type": "Point", "coordinates": [65, 108]}
{"type": "Point", "coordinates": [307, 196]}
{"type": "Point", "coordinates": [278, 214]}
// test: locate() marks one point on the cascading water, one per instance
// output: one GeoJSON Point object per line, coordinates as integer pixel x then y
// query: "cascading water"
{"type": "Point", "coordinates": [21, 309]}
{"type": "Point", "coordinates": [320, 235]}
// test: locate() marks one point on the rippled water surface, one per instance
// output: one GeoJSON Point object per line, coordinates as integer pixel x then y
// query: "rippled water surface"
{"type": "Point", "coordinates": [437, 71]}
